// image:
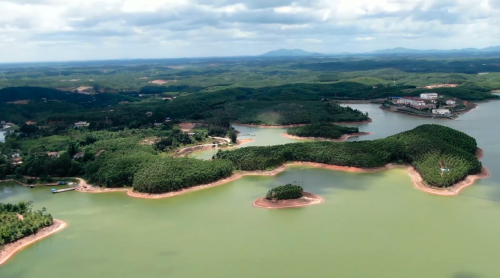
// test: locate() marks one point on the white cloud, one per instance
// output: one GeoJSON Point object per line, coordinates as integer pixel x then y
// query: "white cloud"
{"type": "Point", "coordinates": [105, 29]}
{"type": "Point", "coordinates": [364, 39]}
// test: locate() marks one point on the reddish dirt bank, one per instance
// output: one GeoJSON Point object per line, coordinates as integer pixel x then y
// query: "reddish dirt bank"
{"type": "Point", "coordinates": [341, 139]}
{"type": "Point", "coordinates": [253, 173]}
{"type": "Point", "coordinates": [11, 249]}
{"type": "Point", "coordinates": [287, 126]}
{"type": "Point", "coordinates": [308, 199]}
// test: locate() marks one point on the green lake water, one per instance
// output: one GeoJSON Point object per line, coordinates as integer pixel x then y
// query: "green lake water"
{"type": "Point", "coordinates": [371, 225]}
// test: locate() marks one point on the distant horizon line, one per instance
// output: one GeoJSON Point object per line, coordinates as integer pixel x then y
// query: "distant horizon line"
{"type": "Point", "coordinates": [385, 51]}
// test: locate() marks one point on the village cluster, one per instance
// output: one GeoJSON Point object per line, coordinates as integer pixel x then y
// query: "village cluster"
{"type": "Point", "coordinates": [427, 101]}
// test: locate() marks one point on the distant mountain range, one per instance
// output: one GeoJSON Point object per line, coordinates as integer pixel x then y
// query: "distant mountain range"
{"type": "Point", "coordinates": [290, 53]}
{"type": "Point", "coordinates": [393, 51]}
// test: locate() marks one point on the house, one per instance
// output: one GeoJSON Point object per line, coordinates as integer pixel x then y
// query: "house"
{"type": "Point", "coordinates": [413, 101]}
{"type": "Point", "coordinates": [53, 154]}
{"type": "Point", "coordinates": [441, 111]}
{"type": "Point", "coordinates": [424, 106]}
{"type": "Point", "coordinates": [15, 155]}
{"type": "Point", "coordinates": [81, 124]}
{"type": "Point", "coordinates": [78, 155]}
{"type": "Point", "coordinates": [158, 124]}
{"type": "Point", "coordinates": [31, 123]}
{"type": "Point", "coordinates": [429, 96]}
{"type": "Point", "coordinates": [149, 114]}
{"type": "Point", "coordinates": [17, 161]}
{"type": "Point", "coordinates": [451, 102]}
{"type": "Point", "coordinates": [167, 119]}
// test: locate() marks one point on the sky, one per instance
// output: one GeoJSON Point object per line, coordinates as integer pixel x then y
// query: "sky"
{"type": "Point", "coordinates": [63, 30]}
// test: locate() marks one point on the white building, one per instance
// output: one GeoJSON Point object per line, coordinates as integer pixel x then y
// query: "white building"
{"type": "Point", "coordinates": [411, 101]}
{"type": "Point", "coordinates": [451, 102]}
{"type": "Point", "coordinates": [441, 111]}
{"type": "Point", "coordinates": [429, 96]}
{"type": "Point", "coordinates": [81, 124]}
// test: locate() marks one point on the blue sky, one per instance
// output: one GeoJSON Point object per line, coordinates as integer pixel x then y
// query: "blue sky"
{"type": "Point", "coordinates": [59, 30]}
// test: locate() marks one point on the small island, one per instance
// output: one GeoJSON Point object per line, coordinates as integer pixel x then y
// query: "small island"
{"type": "Point", "coordinates": [287, 196]}
{"type": "Point", "coordinates": [324, 131]}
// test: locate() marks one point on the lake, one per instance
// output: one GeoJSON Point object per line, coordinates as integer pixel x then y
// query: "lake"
{"type": "Point", "coordinates": [371, 224]}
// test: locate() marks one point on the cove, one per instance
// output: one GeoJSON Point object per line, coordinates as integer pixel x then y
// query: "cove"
{"type": "Point", "coordinates": [370, 225]}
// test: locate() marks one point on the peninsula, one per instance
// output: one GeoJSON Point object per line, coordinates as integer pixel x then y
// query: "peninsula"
{"type": "Point", "coordinates": [21, 226]}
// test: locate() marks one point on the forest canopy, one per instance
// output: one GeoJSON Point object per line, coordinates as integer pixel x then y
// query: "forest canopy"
{"type": "Point", "coordinates": [14, 227]}
{"type": "Point", "coordinates": [285, 192]}
{"type": "Point", "coordinates": [322, 130]}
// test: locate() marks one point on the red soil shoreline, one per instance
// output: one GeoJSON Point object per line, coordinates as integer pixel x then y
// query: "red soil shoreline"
{"type": "Point", "coordinates": [9, 250]}
{"type": "Point", "coordinates": [297, 125]}
{"type": "Point", "coordinates": [308, 199]}
{"type": "Point", "coordinates": [341, 139]}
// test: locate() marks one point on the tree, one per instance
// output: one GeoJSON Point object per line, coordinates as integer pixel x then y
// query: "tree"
{"type": "Point", "coordinates": [233, 134]}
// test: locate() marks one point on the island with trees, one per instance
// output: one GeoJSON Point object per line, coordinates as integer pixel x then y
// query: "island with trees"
{"type": "Point", "coordinates": [287, 196]}
{"type": "Point", "coordinates": [20, 226]}
{"type": "Point", "coordinates": [323, 131]}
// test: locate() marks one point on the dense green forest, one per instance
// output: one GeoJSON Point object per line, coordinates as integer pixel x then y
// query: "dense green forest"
{"type": "Point", "coordinates": [13, 228]}
{"type": "Point", "coordinates": [427, 147]}
{"type": "Point", "coordinates": [322, 129]}
{"type": "Point", "coordinates": [285, 192]}
{"type": "Point", "coordinates": [246, 90]}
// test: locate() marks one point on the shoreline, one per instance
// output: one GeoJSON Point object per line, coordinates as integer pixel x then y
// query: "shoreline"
{"type": "Point", "coordinates": [342, 138]}
{"type": "Point", "coordinates": [298, 125]}
{"type": "Point", "coordinates": [308, 199]}
{"type": "Point", "coordinates": [84, 187]}
{"type": "Point", "coordinates": [9, 250]}
{"type": "Point", "coordinates": [239, 175]}
{"type": "Point", "coordinates": [413, 115]}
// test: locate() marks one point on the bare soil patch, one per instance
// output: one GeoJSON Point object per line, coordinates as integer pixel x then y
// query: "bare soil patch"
{"type": "Point", "coordinates": [12, 248]}
{"type": "Point", "coordinates": [159, 81]}
{"type": "Point", "coordinates": [308, 199]}
{"type": "Point", "coordinates": [20, 102]}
